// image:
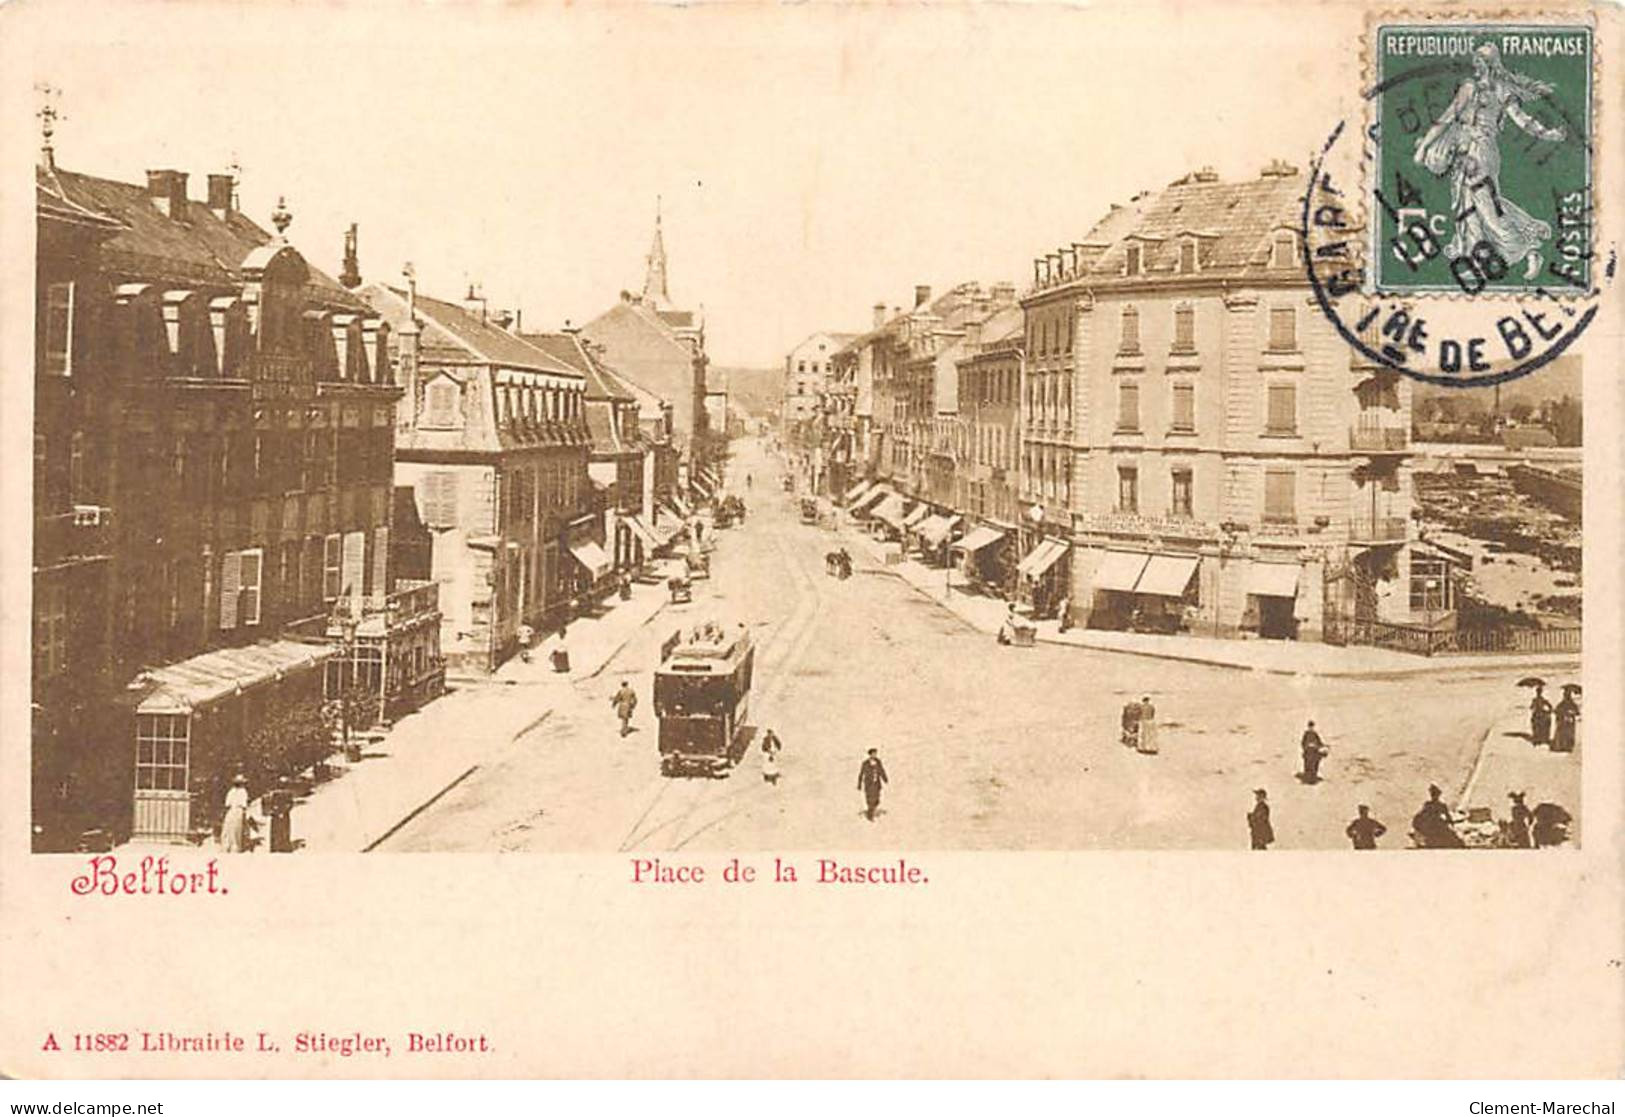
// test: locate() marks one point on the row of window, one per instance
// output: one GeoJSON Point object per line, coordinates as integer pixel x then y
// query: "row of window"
{"type": "Point", "coordinates": [443, 405]}
{"type": "Point", "coordinates": [1283, 254]}
{"type": "Point", "coordinates": [1280, 416]}
{"type": "Point", "coordinates": [1280, 493]}
{"type": "Point", "coordinates": [1283, 330]}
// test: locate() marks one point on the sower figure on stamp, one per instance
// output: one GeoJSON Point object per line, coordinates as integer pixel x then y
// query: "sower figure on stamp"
{"type": "Point", "coordinates": [1365, 830]}
{"type": "Point", "coordinates": [871, 777]}
{"type": "Point", "coordinates": [624, 701]}
{"type": "Point", "coordinates": [1258, 820]}
{"type": "Point", "coordinates": [1314, 751]}
{"type": "Point", "coordinates": [1464, 145]}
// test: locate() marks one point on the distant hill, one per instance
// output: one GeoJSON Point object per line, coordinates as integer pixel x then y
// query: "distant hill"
{"type": "Point", "coordinates": [759, 391]}
{"type": "Point", "coordinates": [1554, 381]}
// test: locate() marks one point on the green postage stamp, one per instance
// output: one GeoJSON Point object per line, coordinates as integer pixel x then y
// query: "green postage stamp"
{"type": "Point", "coordinates": [1481, 176]}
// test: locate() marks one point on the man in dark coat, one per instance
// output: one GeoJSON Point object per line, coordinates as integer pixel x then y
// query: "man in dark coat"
{"type": "Point", "coordinates": [1314, 750]}
{"type": "Point", "coordinates": [1365, 830]}
{"type": "Point", "coordinates": [625, 701]}
{"type": "Point", "coordinates": [871, 777]}
{"type": "Point", "coordinates": [1258, 820]}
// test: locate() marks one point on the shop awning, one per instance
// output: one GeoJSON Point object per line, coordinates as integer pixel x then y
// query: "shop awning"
{"type": "Point", "coordinates": [977, 539]}
{"type": "Point", "coordinates": [1273, 579]}
{"type": "Point", "coordinates": [681, 507]}
{"type": "Point", "coordinates": [872, 497]}
{"type": "Point", "coordinates": [921, 511]}
{"type": "Point", "coordinates": [193, 683]}
{"type": "Point", "coordinates": [1167, 575]}
{"type": "Point", "coordinates": [703, 483]}
{"type": "Point", "coordinates": [936, 529]}
{"type": "Point", "coordinates": [1045, 555]}
{"type": "Point", "coordinates": [890, 511]}
{"type": "Point", "coordinates": [1120, 570]}
{"type": "Point", "coordinates": [591, 557]}
{"type": "Point", "coordinates": [858, 490]}
{"type": "Point", "coordinates": [643, 531]}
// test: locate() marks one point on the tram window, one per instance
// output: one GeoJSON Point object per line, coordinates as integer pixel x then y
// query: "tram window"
{"type": "Point", "coordinates": [709, 694]}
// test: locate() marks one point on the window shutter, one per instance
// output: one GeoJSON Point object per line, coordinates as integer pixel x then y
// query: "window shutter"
{"type": "Point", "coordinates": [1184, 329]}
{"type": "Point", "coordinates": [1184, 407]}
{"type": "Point", "coordinates": [250, 564]}
{"type": "Point", "coordinates": [59, 329]}
{"type": "Point", "coordinates": [1280, 496]}
{"type": "Point", "coordinates": [1283, 408]}
{"type": "Point", "coordinates": [354, 570]}
{"type": "Point", "coordinates": [332, 557]}
{"type": "Point", "coordinates": [1283, 328]}
{"type": "Point", "coordinates": [1128, 407]}
{"type": "Point", "coordinates": [380, 561]}
{"type": "Point", "coordinates": [230, 585]}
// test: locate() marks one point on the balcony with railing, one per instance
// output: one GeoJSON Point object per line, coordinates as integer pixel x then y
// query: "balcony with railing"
{"type": "Point", "coordinates": [1369, 436]}
{"type": "Point", "coordinates": [1379, 530]}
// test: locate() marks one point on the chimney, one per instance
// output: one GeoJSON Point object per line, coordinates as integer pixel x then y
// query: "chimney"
{"type": "Point", "coordinates": [502, 319]}
{"type": "Point", "coordinates": [350, 273]}
{"type": "Point", "coordinates": [167, 189]}
{"type": "Point", "coordinates": [474, 301]}
{"type": "Point", "coordinates": [880, 315]}
{"type": "Point", "coordinates": [922, 295]}
{"type": "Point", "coordinates": [1004, 294]}
{"type": "Point", "coordinates": [220, 188]}
{"type": "Point", "coordinates": [973, 333]}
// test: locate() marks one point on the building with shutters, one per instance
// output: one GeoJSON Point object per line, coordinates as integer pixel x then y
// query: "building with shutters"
{"type": "Point", "coordinates": [492, 443]}
{"type": "Point", "coordinates": [988, 474]}
{"type": "Point", "coordinates": [213, 454]}
{"type": "Point", "coordinates": [1218, 458]}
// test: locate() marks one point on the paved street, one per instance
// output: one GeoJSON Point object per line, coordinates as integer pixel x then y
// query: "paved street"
{"type": "Point", "coordinates": [987, 747]}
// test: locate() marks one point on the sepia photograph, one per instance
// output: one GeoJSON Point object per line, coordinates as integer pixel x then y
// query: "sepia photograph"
{"type": "Point", "coordinates": [810, 441]}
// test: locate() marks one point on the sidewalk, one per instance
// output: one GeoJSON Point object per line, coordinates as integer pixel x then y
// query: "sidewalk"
{"type": "Point", "coordinates": [1280, 657]}
{"type": "Point", "coordinates": [428, 752]}
{"type": "Point", "coordinates": [1508, 762]}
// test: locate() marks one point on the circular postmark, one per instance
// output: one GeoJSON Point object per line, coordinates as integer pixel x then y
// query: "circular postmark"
{"type": "Point", "coordinates": [1478, 265]}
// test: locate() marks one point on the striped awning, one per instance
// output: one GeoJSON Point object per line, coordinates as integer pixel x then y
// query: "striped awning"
{"type": "Point", "coordinates": [872, 497]}
{"type": "Point", "coordinates": [1167, 575]}
{"type": "Point", "coordinates": [921, 511]}
{"type": "Point", "coordinates": [643, 531]}
{"type": "Point", "coordinates": [1043, 556]}
{"type": "Point", "coordinates": [937, 528]}
{"type": "Point", "coordinates": [978, 538]}
{"type": "Point", "coordinates": [858, 490]}
{"type": "Point", "coordinates": [1120, 571]}
{"type": "Point", "coordinates": [890, 511]}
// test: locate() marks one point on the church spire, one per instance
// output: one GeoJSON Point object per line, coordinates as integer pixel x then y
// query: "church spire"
{"type": "Point", "coordinates": [654, 282]}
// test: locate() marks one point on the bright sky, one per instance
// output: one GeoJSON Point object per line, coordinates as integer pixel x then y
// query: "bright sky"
{"type": "Point", "coordinates": [813, 159]}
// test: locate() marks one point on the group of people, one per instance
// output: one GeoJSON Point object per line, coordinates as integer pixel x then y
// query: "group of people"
{"type": "Point", "coordinates": [1140, 726]}
{"type": "Point", "coordinates": [1434, 824]}
{"type": "Point", "coordinates": [1542, 714]}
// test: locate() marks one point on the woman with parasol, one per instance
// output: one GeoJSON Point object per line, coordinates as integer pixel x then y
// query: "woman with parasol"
{"type": "Point", "coordinates": [1568, 719]}
{"type": "Point", "coordinates": [1540, 712]}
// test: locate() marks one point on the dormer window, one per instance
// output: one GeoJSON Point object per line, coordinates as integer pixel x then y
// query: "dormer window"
{"type": "Point", "coordinates": [1187, 256]}
{"type": "Point", "coordinates": [1131, 262]}
{"type": "Point", "coordinates": [1284, 252]}
{"type": "Point", "coordinates": [440, 404]}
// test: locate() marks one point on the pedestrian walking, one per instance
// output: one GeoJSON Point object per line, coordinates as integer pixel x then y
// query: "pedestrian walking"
{"type": "Point", "coordinates": [625, 701]}
{"type": "Point", "coordinates": [234, 823]}
{"type": "Point", "coordinates": [1518, 830]}
{"type": "Point", "coordinates": [871, 778]}
{"type": "Point", "coordinates": [1147, 742]}
{"type": "Point", "coordinates": [1258, 820]}
{"type": "Point", "coordinates": [1540, 717]}
{"type": "Point", "coordinates": [1063, 615]}
{"type": "Point", "coordinates": [1364, 830]}
{"type": "Point", "coordinates": [1314, 751]}
{"type": "Point", "coordinates": [771, 746]}
{"type": "Point", "coordinates": [1568, 720]}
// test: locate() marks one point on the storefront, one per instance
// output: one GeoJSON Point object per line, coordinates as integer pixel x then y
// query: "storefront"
{"type": "Point", "coordinates": [254, 710]}
{"type": "Point", "coordinates": [935, 534]}
{"type": "Point", "coordinates": [1113, 588]}
{"type": "Point", "coordinates": [592, 564]}
{"type": "Point", "coordinates": [388, 663]}
{"type": "Point", "coordinates": [887, 516]}
{"type": "Point", "coordinates": [1272, 598]}
{"type": "Point", "coordinates": [1042, 575]}
{"type": "Point", "coordinates": [1165, 593]}
{"type": "Point", "coordinates": [981, 552]}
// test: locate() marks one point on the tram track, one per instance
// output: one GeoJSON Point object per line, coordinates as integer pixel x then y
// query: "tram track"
{"type": "Point", "coordinates": [683, 813]}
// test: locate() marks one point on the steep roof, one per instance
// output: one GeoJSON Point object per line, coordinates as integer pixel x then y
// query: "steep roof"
{"type": "Point", "coordinates": [450, 331]}
{"type": "Point", "coordinates": [194, 246]}
{"type": "Point", "coordinates": [1232, 221]}
{"type": "Point", "coordinates": [568, 349]}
